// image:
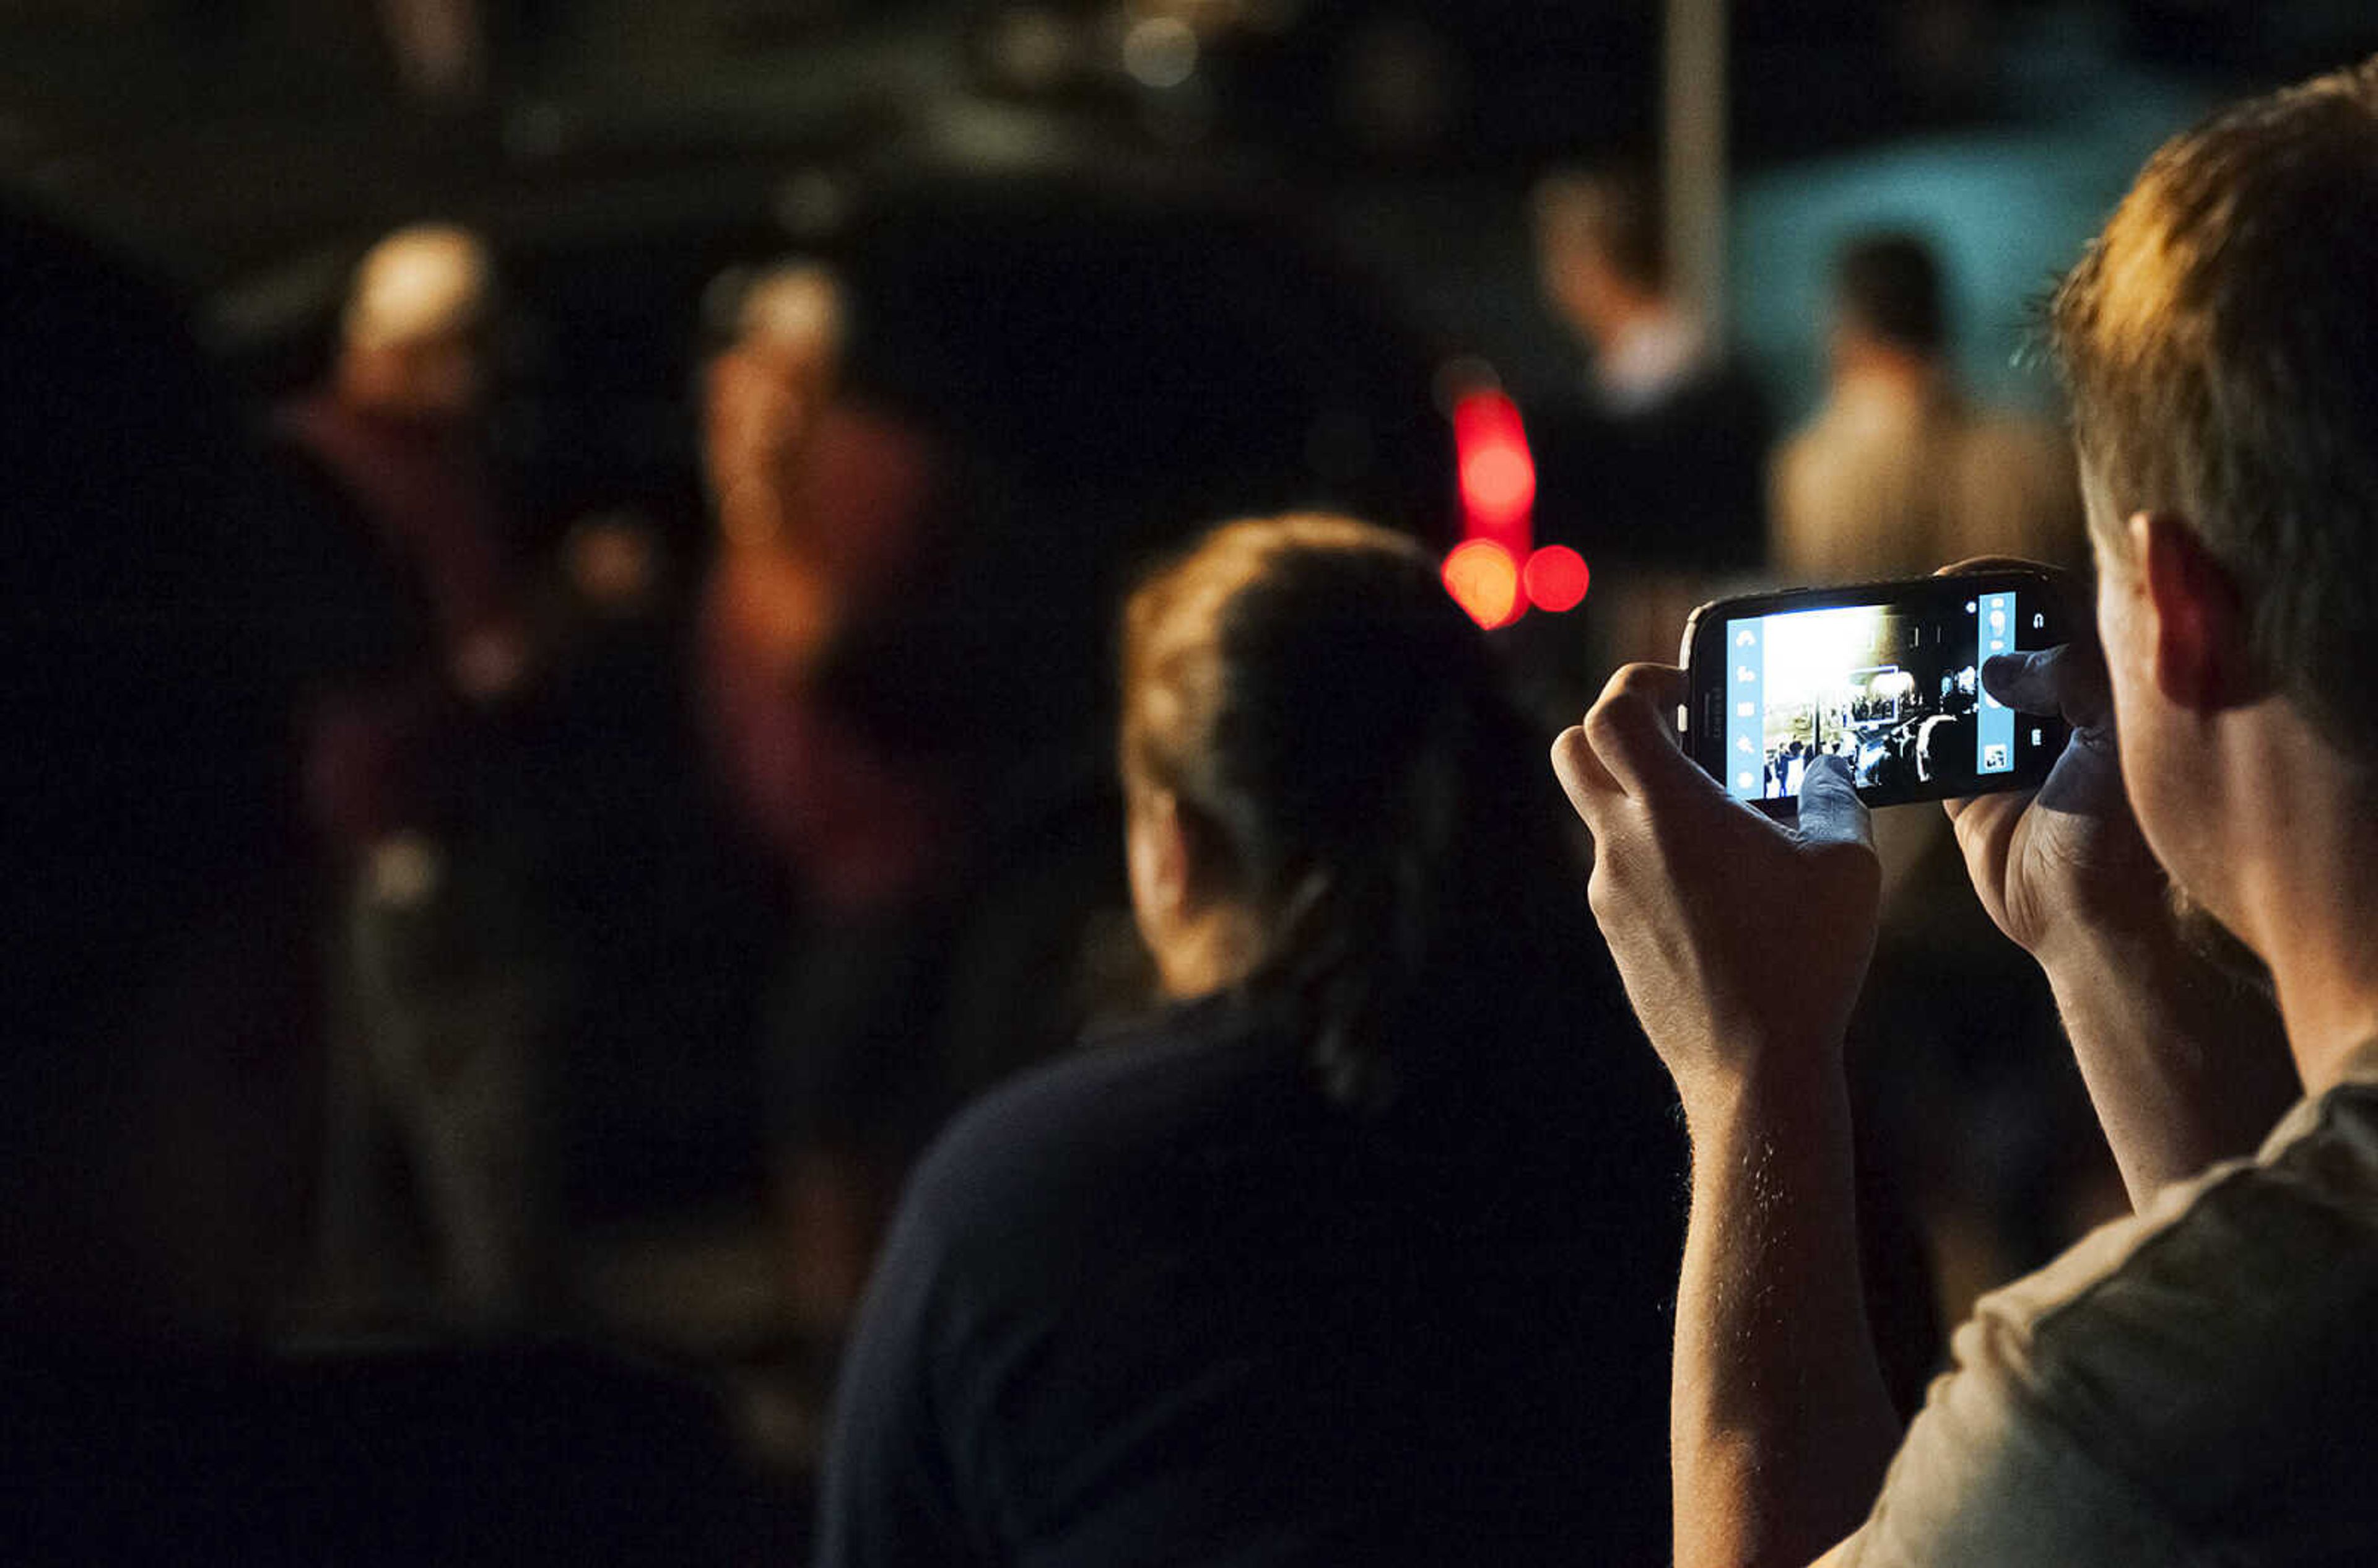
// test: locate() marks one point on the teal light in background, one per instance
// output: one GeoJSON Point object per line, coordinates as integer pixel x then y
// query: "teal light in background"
{"type": "Point", "coordinates": [2008, 211]}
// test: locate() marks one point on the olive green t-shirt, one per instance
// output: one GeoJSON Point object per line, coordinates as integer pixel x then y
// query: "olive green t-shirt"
{"type": "Point", "coordinates": [2195, 1385]}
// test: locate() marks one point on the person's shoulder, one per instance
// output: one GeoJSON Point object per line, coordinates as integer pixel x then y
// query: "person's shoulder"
{"type": "Point", "coordinates": [2206, 1346]}
{"type": "Point", "coordinates": [328, 444]}
{"type": "Point", "coordinates": [2006, 423]}
{"type": "Point", "coordinates": [2249, 1240]}
{"type": "Point", "coordinates": [1814, 474]}
{"type": "Point", "coordinates": [1848, 428]}
{"type": "Point", "coordinates": [1086, 1131]}
{"type": "Point", "coordinates": [2008, 443]}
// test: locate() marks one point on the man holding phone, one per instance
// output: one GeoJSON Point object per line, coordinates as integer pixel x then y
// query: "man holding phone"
{"type": "Point", "coordinates": [2198, 1381]}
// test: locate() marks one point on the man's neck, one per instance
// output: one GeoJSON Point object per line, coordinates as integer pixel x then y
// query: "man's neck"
{"type": "Point", "coordinates": [2327, 995]}
{"type": "Point", "coordinates": [2310, 904]}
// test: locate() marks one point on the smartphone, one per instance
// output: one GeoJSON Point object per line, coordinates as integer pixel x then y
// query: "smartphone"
{"type": "Point", "coordinates": [1886, 675]}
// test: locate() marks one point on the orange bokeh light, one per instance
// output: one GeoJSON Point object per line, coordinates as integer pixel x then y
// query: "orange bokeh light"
{"type": "Point", "coordinates": [1556, 578]}
{"type": "Point", "coordinates": [1484, 580]}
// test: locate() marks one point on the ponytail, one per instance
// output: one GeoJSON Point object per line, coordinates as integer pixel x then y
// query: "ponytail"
{"type": "Point", "coordinates": [1308, 688]}
{"type": "Point", "coordinates": [1358, 936]}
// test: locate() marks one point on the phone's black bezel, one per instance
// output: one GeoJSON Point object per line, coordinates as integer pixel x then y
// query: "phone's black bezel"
{"type": "Point", "coordinates": [1705, 694]}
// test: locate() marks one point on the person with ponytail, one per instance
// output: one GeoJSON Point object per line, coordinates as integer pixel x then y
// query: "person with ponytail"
{"type": "Point", "coordinates": [1313, 1262]}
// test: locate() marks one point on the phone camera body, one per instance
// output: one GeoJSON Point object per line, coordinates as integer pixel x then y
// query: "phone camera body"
{"type": "Point", "coordinates": [1885, 677]}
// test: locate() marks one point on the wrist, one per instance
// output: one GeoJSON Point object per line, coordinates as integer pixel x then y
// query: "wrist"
{"type": "Point", "coordinates": [1783, 1091]}
{"type": "Point", "coordinates": [2114, 914]}
{"type": "Point", "coordinates": [2184, 1062]}
{"type": "Point", "coordinates": [2083, 956]}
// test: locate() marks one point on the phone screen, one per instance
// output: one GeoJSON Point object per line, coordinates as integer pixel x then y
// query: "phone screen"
{"type": "Point", "coordinates": [1893, 688]}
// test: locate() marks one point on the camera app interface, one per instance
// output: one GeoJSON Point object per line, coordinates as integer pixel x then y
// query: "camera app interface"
{"type": "Point", "coordinates": [1894, 690]}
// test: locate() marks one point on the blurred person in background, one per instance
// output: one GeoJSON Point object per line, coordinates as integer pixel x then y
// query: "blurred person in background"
{"type": "Point", "coordinates": [1899, 471]}
{"type": "Point", "coordinates": [824, 506]}
{"type": "Point", "coordinates": [1658, 458]}
{"type": "Point", "coordinates": [396, 432]}
{"type": "Point", "coordinates": [1294, 1268]}
{"type": "Point", "coordinates": [165, 608]}
{"type": "Point", "coordinates": [820, 506]}
{"type": "Point", "coordinates": [444, 979]}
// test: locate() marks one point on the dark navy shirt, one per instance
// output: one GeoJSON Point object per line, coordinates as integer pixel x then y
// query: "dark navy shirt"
{"type": "Point", "coordinates": [1165, 1302]}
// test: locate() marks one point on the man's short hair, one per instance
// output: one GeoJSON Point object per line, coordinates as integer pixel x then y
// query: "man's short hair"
{"type": "Point", "coordinates": [1615, 214]}
{"type": "Point", "coordinates": [1888, 288]}
{"type": "Point", "coordinates": [2219, 342]}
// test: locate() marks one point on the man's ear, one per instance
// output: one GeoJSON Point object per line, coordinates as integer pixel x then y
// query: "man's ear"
{"type": "Point", "coordinates": [2201, 658]}
{"type": "Point", "coordinates": [1162, 863]}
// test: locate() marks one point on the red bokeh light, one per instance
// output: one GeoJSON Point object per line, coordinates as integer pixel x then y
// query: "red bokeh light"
{"type": "Point", "coordinates": [1497, 474]}
{"type": "Point", "coordinates": [1498, 482]}
{"type": "Point", "coordinates": [1556, 578]}
{"type": "Point", "coordinates": [1484, 580]}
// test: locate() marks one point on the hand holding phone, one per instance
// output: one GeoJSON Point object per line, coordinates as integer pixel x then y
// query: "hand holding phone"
{"type": "Point", "coordinates": [1885, 677]}
{"type": "Point", "coordinates": [1688, 884]}
{"type": "Point", "coordinates": [2069, 859]}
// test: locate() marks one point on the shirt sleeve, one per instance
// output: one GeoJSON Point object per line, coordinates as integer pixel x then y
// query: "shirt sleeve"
{"type": "Point", "coordinates": [889, 1497]}
{"type": "Point", "coordinates": [1988, 1474]}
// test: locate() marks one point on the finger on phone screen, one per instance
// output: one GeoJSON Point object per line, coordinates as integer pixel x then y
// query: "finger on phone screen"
{"type": "Point", "coordinates": [2024, 682]}
{"type": "Point", "coordinates": [1631, 730]}
{"type": "Point", "coordinates": [2069, 679]}
{"type": "Point", "coordinates": [1831, 811]}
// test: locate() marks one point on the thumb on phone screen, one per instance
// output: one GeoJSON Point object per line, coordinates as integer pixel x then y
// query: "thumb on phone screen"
{"type": "Point", "coordinates": [1831, 811]}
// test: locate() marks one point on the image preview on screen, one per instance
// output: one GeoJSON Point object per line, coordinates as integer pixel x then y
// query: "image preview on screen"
{"type": "Point", "coordinates": [1893, 691]}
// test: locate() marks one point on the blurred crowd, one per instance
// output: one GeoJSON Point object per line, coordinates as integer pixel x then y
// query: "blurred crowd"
{"type": "Point", "coordinates": [761, 818]}
{"type": "Point", "coordinates": [631, 882]}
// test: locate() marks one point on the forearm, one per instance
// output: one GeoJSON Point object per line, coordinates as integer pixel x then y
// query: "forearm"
{"type": "Point", "coordinates": [1780, 1425]}
{"type": "Point", "coordinates": [2184, 1064]}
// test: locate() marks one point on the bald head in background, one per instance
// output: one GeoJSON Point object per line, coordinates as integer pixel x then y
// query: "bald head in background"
{"type": "Point", "coordinates": [413, 337]}
{"type": "Point", "coordinates": [793, 312]}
